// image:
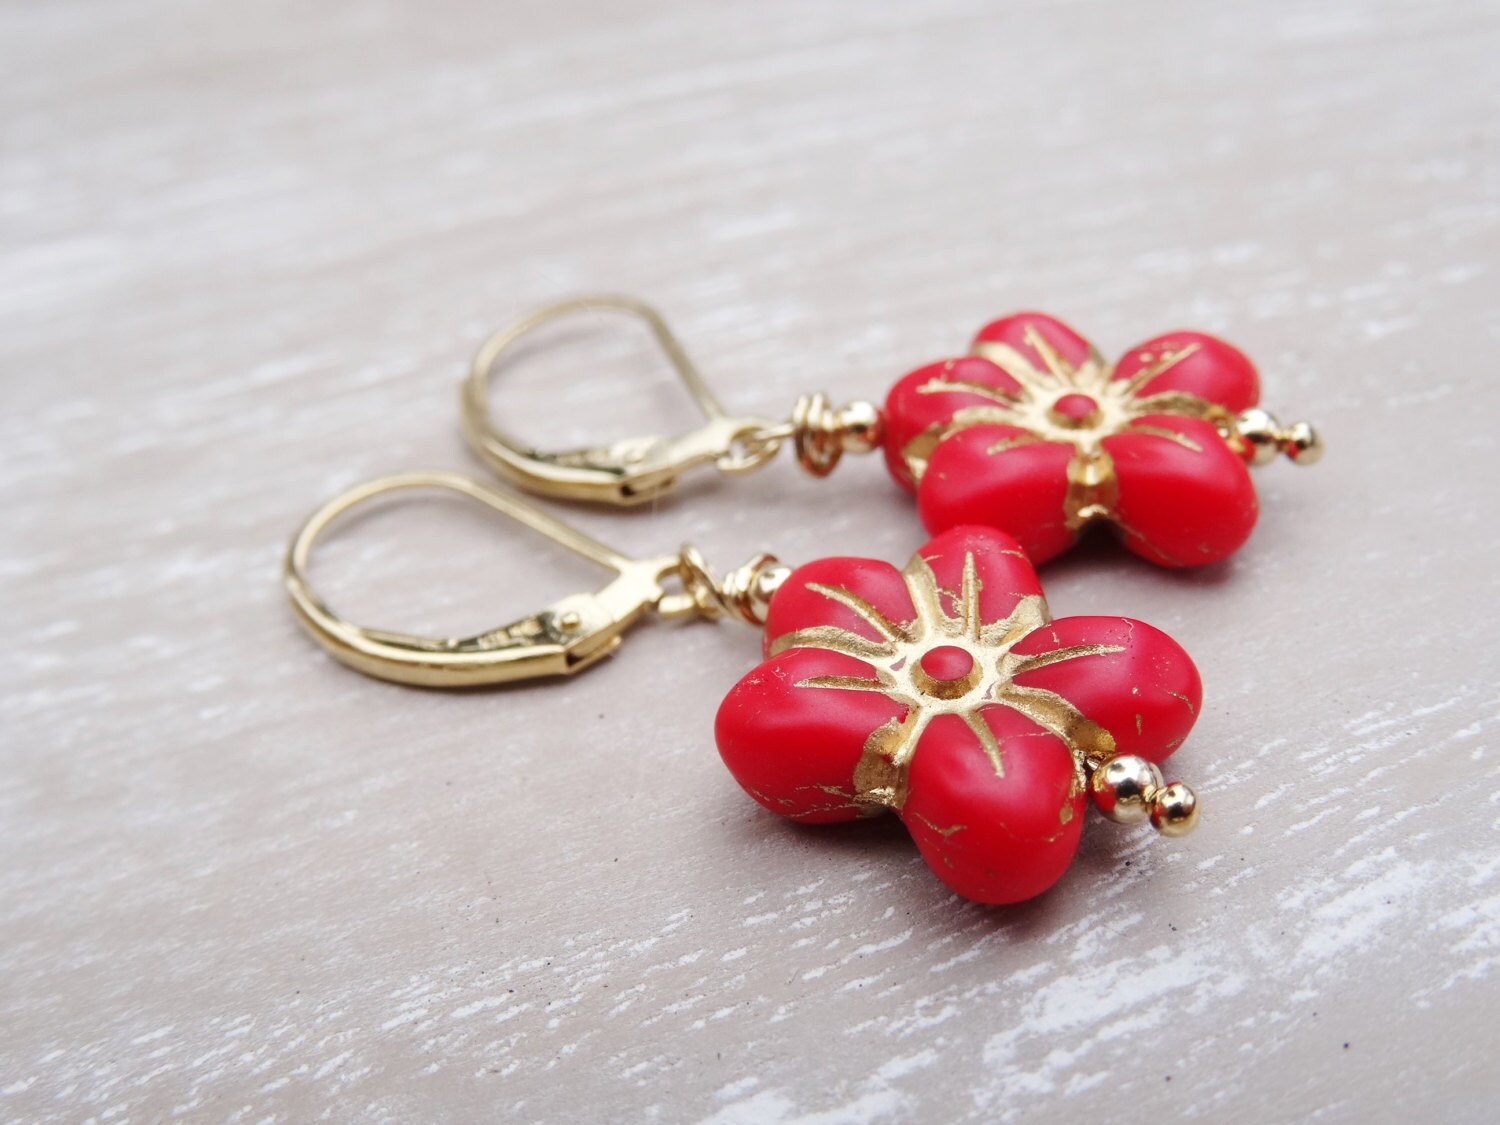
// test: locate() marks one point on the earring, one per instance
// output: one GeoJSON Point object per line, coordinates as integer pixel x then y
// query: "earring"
{"type": "Point", "coordinates": [1033, 432]}
{"type": "Point", "coordinates": [943, 692]}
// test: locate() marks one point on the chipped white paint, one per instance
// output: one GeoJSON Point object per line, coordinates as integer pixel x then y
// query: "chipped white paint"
{"type": "Point", "coordinates": [248, 249]}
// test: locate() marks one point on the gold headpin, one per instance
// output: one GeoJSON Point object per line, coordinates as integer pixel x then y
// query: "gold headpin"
{"type": "Point", "coordinates": [1129, 789]}
{"type": "Point", "coordinates": [1265, 437]}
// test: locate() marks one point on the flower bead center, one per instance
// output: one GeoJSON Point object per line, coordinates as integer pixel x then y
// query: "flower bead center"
{"type": "Point", "coordinates": [946, 672]}
{"type": "Point", "coordinates": [1075, 411]}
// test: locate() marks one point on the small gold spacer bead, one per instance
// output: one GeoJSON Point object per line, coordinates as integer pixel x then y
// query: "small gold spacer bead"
{"type": "Point", "coordinates": [860, 426]}
{"type": "Point", "coordinates": [768, 579]}
{"type": "Point", "coordinates": [1302, 443]}
{"type": "Point", "coordinates": [1174, 811]}
{"type": "Point", "coordinates": [1123, 788]}
{"type": "Point", "coordinates": [1261, 431]}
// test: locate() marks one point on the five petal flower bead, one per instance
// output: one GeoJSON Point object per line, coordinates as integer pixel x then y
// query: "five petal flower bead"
{"type": "Point", "coordinates": [946, 693]}
{"type": "Point", "coordinates": [1036, 433]}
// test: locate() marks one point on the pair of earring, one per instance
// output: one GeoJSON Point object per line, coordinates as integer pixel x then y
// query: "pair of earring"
{"type": "Point", "coordinates": [943, 691]}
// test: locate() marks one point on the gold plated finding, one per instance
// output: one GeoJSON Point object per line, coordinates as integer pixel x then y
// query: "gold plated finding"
{"type": "Point", "coordinates": [639, 469]}
{"type": "Point", "coordinates": [1174, 812]}
{"type": "Point", "coordinates": [1265, 436]}
{"type": "Point", "coordinates": [561, 639]}
{"type": "Point", "coordinates": [1129, 789]}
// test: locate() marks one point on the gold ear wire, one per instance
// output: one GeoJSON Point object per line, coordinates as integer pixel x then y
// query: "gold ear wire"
{"type": "Point", "coordinates": [639, 469]}
{"type": "Point", "coordinates": [627, 472]}
{"type": "Point", "coordinates": [561, 639]}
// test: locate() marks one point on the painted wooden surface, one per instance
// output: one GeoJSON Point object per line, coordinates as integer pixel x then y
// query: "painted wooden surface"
{"type": "Point", "coordinates": [247, 251]}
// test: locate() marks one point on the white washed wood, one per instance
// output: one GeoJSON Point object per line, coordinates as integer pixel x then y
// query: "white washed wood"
{"type": "Point", "coordinates": [248, 248]}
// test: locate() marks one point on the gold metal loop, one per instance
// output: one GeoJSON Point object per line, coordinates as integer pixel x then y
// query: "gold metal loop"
{"type": "Point", "coordinates": [626, 472]}
{"type": "Point", "coordinates": [744, 593]}
{"type": "Point", "coordinates": [563, 638]}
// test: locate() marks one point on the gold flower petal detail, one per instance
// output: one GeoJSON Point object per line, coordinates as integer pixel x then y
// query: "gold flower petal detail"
{"type": "Point", "coordinates": [1072, 404]}
{"type": "Point", "coordinates": [898, 670]}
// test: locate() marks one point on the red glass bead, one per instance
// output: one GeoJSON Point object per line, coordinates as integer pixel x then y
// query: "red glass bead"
{"type": "Point", "coordinates": [1036, 434]}
{"type": "Point", "coordinates": [946, 693]}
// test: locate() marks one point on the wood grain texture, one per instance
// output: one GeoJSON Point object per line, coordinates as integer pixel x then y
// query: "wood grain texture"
{"type": "Point", "coordinates": [247, 251]}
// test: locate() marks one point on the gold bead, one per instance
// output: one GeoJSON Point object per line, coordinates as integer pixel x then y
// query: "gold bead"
{"type": "Point", "coordinates": [861, 427]}
{"type": "Point", "coordinates": [1302, 443]}
{"type": "Point", "coordinates": [1123, 788]}
{"type": "Point", "coordinates": [1262, 432]}
{"type": "Point", "coordinates": [768, 579]}
{"type": "Point", "coordinates": [1174, 812]}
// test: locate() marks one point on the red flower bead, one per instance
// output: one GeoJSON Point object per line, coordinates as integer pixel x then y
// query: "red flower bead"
{"type": "Point", "coordinates": [946, 693]}
{"type": "Point", "coordinates": [1036, 434]}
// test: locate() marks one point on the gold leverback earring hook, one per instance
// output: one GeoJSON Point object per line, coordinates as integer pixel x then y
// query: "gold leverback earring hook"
{"type": "Point", "coordinates": [565, 637]}
{"type": "Point", "coordinates": [626, 472]}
